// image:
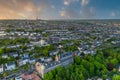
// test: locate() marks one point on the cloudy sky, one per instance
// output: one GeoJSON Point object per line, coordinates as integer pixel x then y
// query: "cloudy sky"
{"type": "Point", "coordinates": [60, 9]}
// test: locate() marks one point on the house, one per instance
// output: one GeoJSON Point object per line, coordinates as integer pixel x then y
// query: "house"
{"type": "Point", "coordinates": [39, 43]}
{"type": "Point", "coordinates": [32, 60]}
{"type": "Point", "coordinates": [4, 55]}
{"type": "Point", "coordinates": [10, 66]}
{"type": "Point", "coordinates": [43, 66]}
{"type": "Point", "coordinates": [26, 56]}
{"type": "Point", "coordinates": [1, 68]}
{"type": "Point", "coordinates": [46, 59]}
{"type": "Point", "coordinates": [10, 77]}
{"type": "Point", "coordinates": [30, 76]}
{"type": "Point", "coordinates": [23, 61]}
{"type": "Point", "coordinates": [118, 68]}
{"type": "Point", "coordinates": [18, 77]}
{"type": "Point", "coordinates": [53, 53]}
{"type": "Point", "coordinates": [14, 54]}
{"type": "Point", "coordinates": [77, 53]}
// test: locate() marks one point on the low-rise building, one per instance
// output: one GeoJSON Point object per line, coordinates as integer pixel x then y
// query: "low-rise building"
{"type": "Point", "coordinates": [5, 56]}
{"type": "Point", "coordinates": [1, 68]}
{"type": "Point", "coordinates": [30, 76]}
{"type": "Point", "coordinates": [32, 60]}
{"type": "Point", "coordinates": [60, 60]}
{"type": "Point", "coordinates": [23, 61]}
{"type": "Point", "coordinates": [10, 66]}
{"type": "Point", "coordinates": [18, 77]}
{"type": "Point", "coordinates": [14, 54]}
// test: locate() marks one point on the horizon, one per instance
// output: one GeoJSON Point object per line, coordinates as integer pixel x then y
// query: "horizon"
{"type": "Point", "coordinates": [60, 9]}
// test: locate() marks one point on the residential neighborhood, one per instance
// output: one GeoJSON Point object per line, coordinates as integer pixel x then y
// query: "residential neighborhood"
{"type": "Point", "coordinates": [33, 49]}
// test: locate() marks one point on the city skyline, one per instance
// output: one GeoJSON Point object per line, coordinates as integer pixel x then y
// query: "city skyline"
{"type": "Point", "coordinates": [59, 9]}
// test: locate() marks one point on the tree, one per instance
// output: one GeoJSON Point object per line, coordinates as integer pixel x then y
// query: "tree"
{"type": "Point", "coordinates": [45, 52]}
{"type": "Point", "coordinates": [77, 60]}
{"type": "Point", "coordinates": [1, 51]}
{"type": "Point", "coordinates": [114, 61]}
{"type": "Point", "coordinates": [5, 74]}
{"type": "Point", "coordinates": [110, 66]}
{"type": "Point", "coordinates": [81, 77]}
{"type": "Point", "coordinates": [116, 77]}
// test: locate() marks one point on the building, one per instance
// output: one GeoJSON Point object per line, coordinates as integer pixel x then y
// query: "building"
{"type": "Point", "coordinates": [1, 68]}
{"type": "Point", "coordinates": [60, 60]}
{"type": "Point", "coordinates": [14, 54]}
{"type": "Point", "coordinates": [23, 61]}
{"type": "Point", "coordinates": [118, 68]}
{"type": "Point", "coordinates": [39, 43]}
{"type": "Point", "coordinates": [30, 76]}
{"type": "Point", "coordinates": [4, 55]}
{"type": "Point", "coordinates": [52, 53]}
{"type": "Point", "coordinates": [32, 60]}
{"type": "Point", "coordinates": [18, 77]}
{"type": "Point", "coordinates": [10, 66]}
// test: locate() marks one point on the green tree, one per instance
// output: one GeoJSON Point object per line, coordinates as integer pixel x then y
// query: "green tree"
{"type": "Point", "coordinates": [116, 77]}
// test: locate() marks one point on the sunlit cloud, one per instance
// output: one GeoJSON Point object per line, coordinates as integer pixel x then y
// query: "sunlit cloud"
{"type": "Point", "coordinates": [16, 9]}
{"type": "Point", "coordinates": [68, 2]}
{"type": "Point", "coordinates": [54, 9]}
{"type": "Point", "coordinates": [84, 2]}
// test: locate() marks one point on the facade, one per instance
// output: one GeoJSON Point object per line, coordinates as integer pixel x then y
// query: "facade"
{"type": "Point", "coordinates": [118, 68]}
{"type": "Point", "coordinates": [14, 54]}
{"type": "Point", "coordinates": [53, 53]}
{"type": "Point", "coordinates": [39, 43]}
{"type": "Point", "coordinates": [1, 68]}
{"type": "Point", "coordinates": [22, 62]}
{"type": "Point", "coordinates": [10, 66]}
{"type": "Point", "coordinates": [5, 56]}
{"type": "Point", "coordinates": [19, 77]}
{"type": "Point", "coordinates": [30, 76]}
{"type": "Point", "coordinates": [31, 60]}
{"type": "Point", "coordinates": [60, 60]}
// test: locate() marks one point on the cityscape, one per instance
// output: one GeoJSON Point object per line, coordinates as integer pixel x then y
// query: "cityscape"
{"type": "Point", "coordinates": [51, 40]}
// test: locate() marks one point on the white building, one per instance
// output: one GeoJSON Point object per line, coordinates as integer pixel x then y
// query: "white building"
{"type": "Point", "coordinates": [39, 43]}
{"type": "Point", "coordinates": [22, 62]}
{"type": "Point", "coordinates": [1, 68]}
{"type": "Point", "coordinates": [5, 56]}
{"type": "Point", "coordinates": [18, 77]}
{"type": "Point", "coordinates": [10, 66]}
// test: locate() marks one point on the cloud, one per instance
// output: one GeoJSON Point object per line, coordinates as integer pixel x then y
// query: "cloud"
{"type": "Point", "coordinates": [17, 9]}
{"type": "Point", "coordinates": [84, 12]}
{"type": "Point", "coordinates": [113, 14]}
{"type": "Point", "coordinates": [68, 2]}
{"type": "Point", "coordinates": [87, 11]}
{"type": "Point", "coordinates": [84, 2]}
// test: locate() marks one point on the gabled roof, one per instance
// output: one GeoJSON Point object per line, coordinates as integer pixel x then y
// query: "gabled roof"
{"type": "Point", "coordinates": [10, 63]}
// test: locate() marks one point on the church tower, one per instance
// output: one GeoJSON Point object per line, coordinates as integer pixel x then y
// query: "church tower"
{"type": "Point", "coordinates": [57, 58]}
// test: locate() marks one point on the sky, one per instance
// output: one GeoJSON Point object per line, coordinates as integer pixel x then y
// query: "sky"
{"type": "Point", "coordinates": [59, 9]}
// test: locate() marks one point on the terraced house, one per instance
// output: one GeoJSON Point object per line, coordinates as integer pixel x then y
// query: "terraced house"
{"type": "Point", "coordinates": [43, 66]}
